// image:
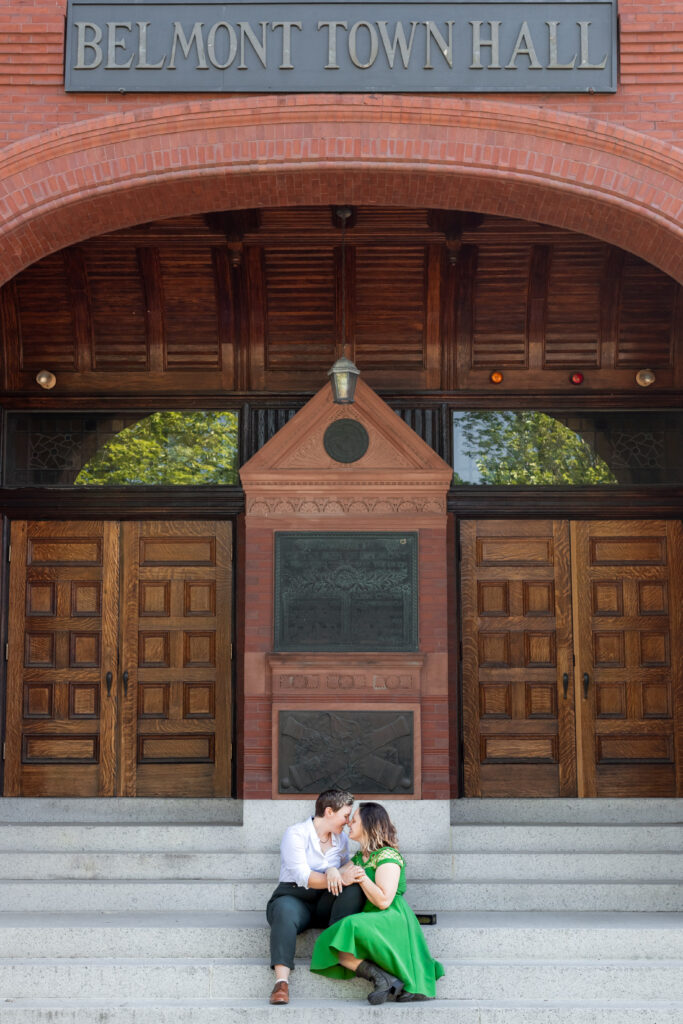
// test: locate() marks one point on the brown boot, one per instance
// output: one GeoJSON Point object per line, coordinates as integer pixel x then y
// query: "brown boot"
{"type": "Point", "coordinates": [280, 993]}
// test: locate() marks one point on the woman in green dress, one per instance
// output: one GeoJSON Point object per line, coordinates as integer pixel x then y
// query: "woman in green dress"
{"type": "Point", "coordinates": [384, 944]}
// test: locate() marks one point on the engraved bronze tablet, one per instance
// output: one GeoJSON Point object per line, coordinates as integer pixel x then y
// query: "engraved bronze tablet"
{"type": "Point", "coordinates": [346, 591]}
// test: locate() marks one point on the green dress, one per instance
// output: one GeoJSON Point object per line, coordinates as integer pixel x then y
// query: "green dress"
{"type": "Point", "coordinates": [391, 938]}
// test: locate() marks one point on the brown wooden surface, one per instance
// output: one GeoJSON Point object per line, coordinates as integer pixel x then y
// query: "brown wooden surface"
{"type": "Point", "coordinates": [168, 732]}
{"type": "Point", "coordinates": [628, 646]}
{"type": "Point", "coordinates": [176, 648]}
{"type": "Point", "coordinates": [63, 618]}
{"type": "Point", "coordinates": [434, 302]}
{"type": "Point", "coordinates": [623, 595]}
{"type": "Point", "coordinates": [517, 644]}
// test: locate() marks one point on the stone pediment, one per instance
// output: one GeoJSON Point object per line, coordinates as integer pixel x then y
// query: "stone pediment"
{"type": "Point", "coordinates": [295, 472]}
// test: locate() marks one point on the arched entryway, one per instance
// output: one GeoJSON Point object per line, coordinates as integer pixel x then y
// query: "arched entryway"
{"type": "Point", "coordinates": [510, 160]}
{"type": "Point", "coordinates": [284, 156]}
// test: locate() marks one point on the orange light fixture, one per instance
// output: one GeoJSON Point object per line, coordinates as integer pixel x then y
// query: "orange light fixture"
{"type": "Point", "coordinates": [496, 377]}
{"type": "Point", "coordinates": [576, 377]}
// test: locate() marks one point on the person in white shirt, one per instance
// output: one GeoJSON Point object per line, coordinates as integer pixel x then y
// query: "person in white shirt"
{"type": "Point", "coordinates": [317, 883]}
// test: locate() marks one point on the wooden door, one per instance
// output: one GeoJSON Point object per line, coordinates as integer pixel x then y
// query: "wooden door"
{"type": "Point", "coordinates": [61, 698]}
{"type": "Point", "coordinates": [572, 658]}
{"type": "Point", "coordinates": [628, 660]}
{"type": "Point", "coordinates": [518, 701]}
{"type": "Point", "coordinates": [119, 689]}
{"type": "Point", "coordinates": [176, 652]}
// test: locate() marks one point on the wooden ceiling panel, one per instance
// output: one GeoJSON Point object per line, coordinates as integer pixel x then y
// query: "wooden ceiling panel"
{"type": "Point", "coordinates": [390, 333]}
{"type": "Point", "coordinates": [45, 316]}
{"type": "Point", "coordinates": [574, 290]}
{"type": "Point", "coordinates": [300, 289]}
{"type": "Point", "coordinates": [645, 317]}
{"type": "Point", "coordinates": [501, 294]}
{"type": "Point", "coordinates": [118, 313]}
{"type": "Point", "coordinates": [190, 315]}
{"type": "Point", "coordinates": [245, 301]}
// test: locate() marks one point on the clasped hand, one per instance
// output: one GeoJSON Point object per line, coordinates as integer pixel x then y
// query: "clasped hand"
{"type": "Point", "coordinates": [348, 875]}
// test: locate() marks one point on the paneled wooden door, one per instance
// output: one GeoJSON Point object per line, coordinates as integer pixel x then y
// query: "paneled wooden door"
{"type": "Point", "coordinates": [627, 615]}
{"type": "Point", "coordinates": [572, 677]}
{"type": "Point", "coordinates": [119, 659]}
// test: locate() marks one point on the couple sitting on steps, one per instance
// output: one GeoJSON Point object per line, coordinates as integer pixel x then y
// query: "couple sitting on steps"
{"type": "Point", "coordinates": [370, 930]}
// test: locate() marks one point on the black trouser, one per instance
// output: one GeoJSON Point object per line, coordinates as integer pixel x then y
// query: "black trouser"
{"type": "Point", "coordinates": [292, 909]}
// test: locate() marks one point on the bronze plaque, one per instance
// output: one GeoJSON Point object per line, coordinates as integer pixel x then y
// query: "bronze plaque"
{"type": "Point", "coordinates": [346, 592]}
{"type": "Point", "coordinates": [346, 440]}
{"type": "Point", "coordinates": [364, 751]}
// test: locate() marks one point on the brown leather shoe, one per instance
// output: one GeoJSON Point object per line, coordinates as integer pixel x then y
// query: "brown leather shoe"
{"type": "Point", "coordinates": [280, 993]}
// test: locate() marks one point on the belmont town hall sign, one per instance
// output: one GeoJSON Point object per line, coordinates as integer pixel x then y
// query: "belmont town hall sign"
{"type": "Point", "coordinates": [378, 46]}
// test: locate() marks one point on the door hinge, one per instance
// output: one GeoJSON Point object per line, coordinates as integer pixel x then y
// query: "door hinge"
{"type": "Point", "coordinates": [7, 652]}
{"type": "Point", "coordinates": [4, 747]}
{"type": "Point", "coordinates": [230, 655]}
{"type": "Point", "coordinates": [9, 552]}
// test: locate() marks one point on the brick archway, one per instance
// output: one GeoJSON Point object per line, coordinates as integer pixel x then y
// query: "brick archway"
{"type": "Point", "coordinates": [182, 158]}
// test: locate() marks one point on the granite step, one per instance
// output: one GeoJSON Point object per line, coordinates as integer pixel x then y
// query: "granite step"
{"type": "Point", "coordinates": [479, 935]}
{"type": "Point", "coordinates": [462, 867]}
{"type": "Point", "coordinates": [567, 838]}
{"type": "Point", "coordinates": [313, 1011]}
{"type": "Point", "coordinates": [102, 895]}
{"type": "Point", "coordinates": [569, 811]}
{"type": "Point", "coordinates": [200, 978]}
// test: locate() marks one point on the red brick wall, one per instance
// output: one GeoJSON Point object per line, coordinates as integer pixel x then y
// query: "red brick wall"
{"type": "Point", "coordinates": [32, 99]}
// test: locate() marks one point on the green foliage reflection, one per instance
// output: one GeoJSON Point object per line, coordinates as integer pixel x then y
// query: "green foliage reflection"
{"type": "Point", "coordinates": [168, 448]}
{"type": "Point", "coordinates": [527, 449]}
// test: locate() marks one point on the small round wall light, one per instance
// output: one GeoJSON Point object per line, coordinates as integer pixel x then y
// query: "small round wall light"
{"type": "Point", "coordinates": [576, 377]}
{"type": "Point", "coordinates": [645, 378]}
{"type": "Point", "coordinates": [496, 377]}
{"type": "Point", "coordinates": [46, 379]}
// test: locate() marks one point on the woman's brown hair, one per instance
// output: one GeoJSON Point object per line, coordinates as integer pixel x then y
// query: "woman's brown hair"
{"type": "Point", "coordinates": [377, 826]}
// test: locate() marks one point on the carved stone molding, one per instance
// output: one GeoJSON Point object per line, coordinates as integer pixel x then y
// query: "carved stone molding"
{"type": "Point", "coordinates": [330, 505]}
{"type": "Point", "coordinates": [392, 676]}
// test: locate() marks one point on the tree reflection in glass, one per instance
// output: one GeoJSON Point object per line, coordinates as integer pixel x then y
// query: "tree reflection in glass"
{"type": "Point", "coordinates": [168, 448]}
{"type": "Point", "coordinates": [523, 448]}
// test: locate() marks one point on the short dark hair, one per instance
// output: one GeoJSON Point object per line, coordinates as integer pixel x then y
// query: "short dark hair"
{"type": "Point", "coordinates": [334, 798]}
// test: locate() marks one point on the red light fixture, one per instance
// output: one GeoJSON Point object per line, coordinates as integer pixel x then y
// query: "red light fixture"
{"type": "Point", "coordinates": [496, 377]}
{"type": "Point", "coordinates": [576, 377]}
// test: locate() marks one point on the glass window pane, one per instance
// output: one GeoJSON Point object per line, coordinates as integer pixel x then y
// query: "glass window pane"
{"type": "Point", "coordinates": [166, 448]}
{"type": "Point", "coordinates": [530, 448]}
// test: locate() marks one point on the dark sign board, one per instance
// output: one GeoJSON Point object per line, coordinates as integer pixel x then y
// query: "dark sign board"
{"type": "Point", "coordinates": [295, 46]}
{"type": "Point", "coordinates": [346, 592]}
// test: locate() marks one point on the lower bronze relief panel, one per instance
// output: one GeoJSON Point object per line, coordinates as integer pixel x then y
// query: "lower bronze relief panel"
{"type": "Point", "coordinates": [368, 752]}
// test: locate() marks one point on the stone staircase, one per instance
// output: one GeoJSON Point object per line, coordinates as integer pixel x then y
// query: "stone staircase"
{"type": "Point", "coordinates": [151, 912]}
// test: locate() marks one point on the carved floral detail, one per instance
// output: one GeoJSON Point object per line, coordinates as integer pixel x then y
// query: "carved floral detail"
{"type": "Point", "coordinates": [260, 506]}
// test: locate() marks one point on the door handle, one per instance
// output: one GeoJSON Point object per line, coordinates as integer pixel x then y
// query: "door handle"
{"type": "Point", "coordinates": [565, 684]}
{"type": "Point", "coordinates": [125, 684]}
{"type": "Point", "coordinates": [109, 679]}
{"type": "Point", "coordinates": [586, 684]}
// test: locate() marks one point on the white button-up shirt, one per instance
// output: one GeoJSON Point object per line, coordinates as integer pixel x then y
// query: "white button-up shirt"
{"type": "Point", "coordinates": [300, 853]}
